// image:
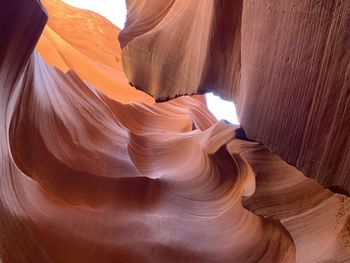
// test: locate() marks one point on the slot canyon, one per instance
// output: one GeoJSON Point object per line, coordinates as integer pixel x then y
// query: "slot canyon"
{"type": "Point", "coordinates": [109, 152]}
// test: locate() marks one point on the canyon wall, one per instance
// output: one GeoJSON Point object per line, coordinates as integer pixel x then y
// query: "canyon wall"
{"type": "Point", "coordinates": [286, 65]}
{"type": "Point", "coordinates": [86, 176]}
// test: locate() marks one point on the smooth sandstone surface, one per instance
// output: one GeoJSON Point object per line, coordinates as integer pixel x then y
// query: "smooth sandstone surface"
{"type": "Point", "coordinates": [285, 64]}
{"type": "Point", "coordinates": [85, 42]}
{"type": "Point", "coordinates": [92, 176]}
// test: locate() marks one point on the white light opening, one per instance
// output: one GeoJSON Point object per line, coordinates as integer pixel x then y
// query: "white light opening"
{"type": "Point", "coordinates": [113, 10]}
{"type": "Point", "coordinates": [222, 109]}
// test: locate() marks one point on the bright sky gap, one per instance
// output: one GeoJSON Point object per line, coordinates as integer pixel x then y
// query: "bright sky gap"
{"type": "Point", "coordinates": [222, 109]}
{"type": "Point", "coordinates": [113, 10]}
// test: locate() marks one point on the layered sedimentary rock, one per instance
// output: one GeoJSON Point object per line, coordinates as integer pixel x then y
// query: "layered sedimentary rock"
{"type": "Point", "coordinates": [284, 63]}
{"type": "Point", "coordinates": [88, 178]}
{"type": "Point", "coordinates": [85, 42]}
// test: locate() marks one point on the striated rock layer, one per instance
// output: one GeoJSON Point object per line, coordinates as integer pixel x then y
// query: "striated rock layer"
{"type": "Point", "coordinates": [86, 43]}
{"type": "Point", "coordinates": [87, 178]}
{"type": "Point", "coordinates": [286, 65]}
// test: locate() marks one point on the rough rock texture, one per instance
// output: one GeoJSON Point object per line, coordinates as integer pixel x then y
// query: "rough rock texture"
{"type": "Point", "coordinates": [86, 178]}
{"type": "Point", "coordinates": [285, 63]}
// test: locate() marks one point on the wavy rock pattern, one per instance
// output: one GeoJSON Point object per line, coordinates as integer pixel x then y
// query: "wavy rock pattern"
{"type": "Point", "coordinates": [317, 219]}
{"type": "Point", "coordinates": [86, 178]}
{"type": "Point", "coordinates": [85, 42]}
{"type": "Point", "coordinates": [286, 65]}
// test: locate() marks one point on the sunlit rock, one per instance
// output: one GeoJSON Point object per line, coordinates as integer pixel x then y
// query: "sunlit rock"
{"type": "Point", "coordinates": [93, 170]}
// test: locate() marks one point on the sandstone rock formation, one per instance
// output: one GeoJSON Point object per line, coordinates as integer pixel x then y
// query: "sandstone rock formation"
{"type": "Point", "coordinates": [89, 175]}
{"type": "Point", "coordinates": [85, 42]}
{"type": "Point", "coordinates": [285, 63]}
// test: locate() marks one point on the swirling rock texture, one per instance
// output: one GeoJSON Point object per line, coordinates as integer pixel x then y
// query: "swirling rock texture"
{"type": "Point", "coordinates": [285, 63]}
{"type": "Point", "coordinates": [85, 42]}
{"type": "Point", "coordinates": [105, 175]}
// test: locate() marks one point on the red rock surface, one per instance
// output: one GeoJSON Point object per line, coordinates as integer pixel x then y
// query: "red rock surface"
{"type": "Point", "coordinates": [284, 63]}
{"type": "Point", "coordinates": [89, 177]}
{"type": "Point", "coordinates": [85, 42]}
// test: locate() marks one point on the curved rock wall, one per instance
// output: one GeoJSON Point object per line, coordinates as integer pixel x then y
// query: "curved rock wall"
{"type": "Point", "coordinates": [284, 63]}
{"type": "Point", "coordinates": [86, 178]}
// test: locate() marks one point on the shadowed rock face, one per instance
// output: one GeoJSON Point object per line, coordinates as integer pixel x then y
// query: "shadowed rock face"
{"type": "Point", "coordinates": [284, 63]}
{"type": "Point", "coordinates": [89, 175]}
